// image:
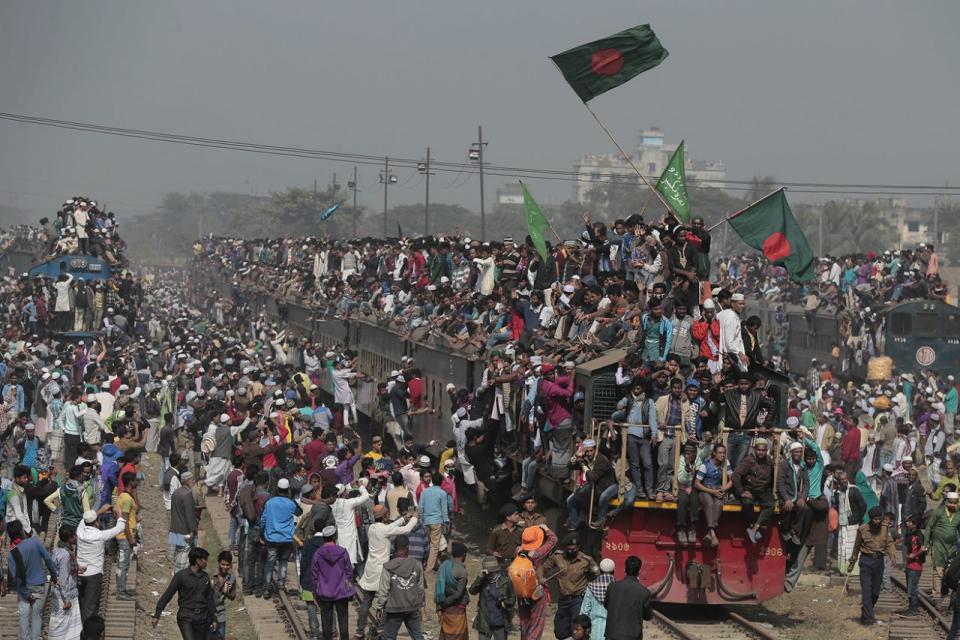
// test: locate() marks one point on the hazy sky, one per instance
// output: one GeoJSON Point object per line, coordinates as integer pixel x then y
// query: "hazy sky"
{"type": "Point", "coordinates": [856, 91]}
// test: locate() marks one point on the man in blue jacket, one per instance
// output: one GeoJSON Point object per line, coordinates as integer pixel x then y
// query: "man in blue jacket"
{"type": "Point", "coordinates": [435, 513]}
{"type": "Point", "coordinates": [25, 563]}
{"type": "Point", "coordinates": [277, 523]}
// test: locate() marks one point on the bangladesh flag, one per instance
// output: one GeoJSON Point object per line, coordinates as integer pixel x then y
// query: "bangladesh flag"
{"type": "Point", "coordinates": [672, 185]}
{"type": "Point", "coordinates": [536, 222]}
{"type": "Point", "coordinates": [769, 225]}
{"type": "Point", "coordinates": [599, 66]}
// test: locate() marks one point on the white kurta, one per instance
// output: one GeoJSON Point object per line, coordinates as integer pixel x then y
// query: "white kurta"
{"type": "Point", "coordinates": [378, 549]}
{"type": "Point", "coordinates": [343, 513]}
{"type": "Point", "coordinates": [731, 338]}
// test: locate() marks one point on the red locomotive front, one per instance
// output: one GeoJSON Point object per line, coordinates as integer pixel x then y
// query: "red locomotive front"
{"type": "Point", "coordinates": [737, 570]}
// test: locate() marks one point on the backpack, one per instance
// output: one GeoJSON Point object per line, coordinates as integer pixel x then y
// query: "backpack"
{"type": "Point", "coordinates": [523, 577]}
{"type": "Point", "coordinates": [951, 575]}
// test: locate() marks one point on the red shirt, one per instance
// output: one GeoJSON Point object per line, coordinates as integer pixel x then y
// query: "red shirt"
{"type": "Point", "coordinates": [850, 449]}
{"type": "Point", "coordinates": [415, 388]}
{"type": "Point", "coordinates": [315, 450]}
{"type": "Point", "coordinates": [126, 468]}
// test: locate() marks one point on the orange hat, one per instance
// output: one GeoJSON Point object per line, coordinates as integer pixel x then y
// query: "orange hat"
{"type": "Point", "coordinates": [532, 538]}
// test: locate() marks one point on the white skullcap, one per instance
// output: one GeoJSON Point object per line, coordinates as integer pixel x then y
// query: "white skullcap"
{"type": "Point", "coordinates": [793, 422]}
{"type": "Point", "coordinates": [794, 446]}
{"type": "Point", "coordinates": [89, 516]}
{"type": "Point", "coordinates": [953, 496]}
{"type": "Point", "coordinates": [283, 483]}
{"type": "Point", "coordinates": [888, 468]}
{"type": "Point", "coordinates": [737, 297]}
{"type": "Point", "coordinates": [607, 565]}
{"type": "Point", "coordinates": [328, 531]}
{"type": "Point", "coordinates": [224, 417]}
{"type": "Point", "coordinates": [709, 304]}
{"type": "Point", "coordinates": [450, 386]}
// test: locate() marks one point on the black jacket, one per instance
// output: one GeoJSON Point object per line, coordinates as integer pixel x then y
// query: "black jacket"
{"type": "Point", "coordinates": [915, 502]}
{"type": "Point", "coordinates": [628, 605]}
{"type": "Point", "coordinates": [731, 400]}
{"type": "Point", "coordinates": [195, 596]}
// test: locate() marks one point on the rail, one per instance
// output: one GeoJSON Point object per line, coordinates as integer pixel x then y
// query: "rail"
{"type": "Point", "coordinates": [909, 626]}
{"type": "Point", "coordinates": [274, 619]}
{"type": "Point", "coordinates": [702, 628]}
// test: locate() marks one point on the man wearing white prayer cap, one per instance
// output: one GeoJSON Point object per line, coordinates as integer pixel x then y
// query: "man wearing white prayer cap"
{"type": "Point", "coordinates": [224, 435]}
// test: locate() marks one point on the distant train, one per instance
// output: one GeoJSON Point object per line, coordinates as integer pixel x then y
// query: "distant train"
{"type": "Point", "coordinates": [914, 334]}
{"type": "Point", "coordinates": [76, 265]}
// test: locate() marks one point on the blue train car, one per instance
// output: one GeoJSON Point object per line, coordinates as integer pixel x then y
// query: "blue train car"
{"type": "Point", "coordinates": [79, 266]}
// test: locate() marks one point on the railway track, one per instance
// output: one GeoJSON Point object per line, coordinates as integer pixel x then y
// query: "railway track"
{"type": "Point", "coordinates": [720, 623]}
{"type": "Point", "coordinates": [930, 624]}
{"type": "Point", "coordinates": [120, 616]}
{"type": "Point", "coordinates": [9, 614]}
{"type": "Point", "coordinates": [281, 617]}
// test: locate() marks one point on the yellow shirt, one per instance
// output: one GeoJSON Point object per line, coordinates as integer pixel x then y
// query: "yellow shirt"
{"type": "Point", "coordinates": [127, 505]}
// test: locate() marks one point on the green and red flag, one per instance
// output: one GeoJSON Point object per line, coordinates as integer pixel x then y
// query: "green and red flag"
{"type": "Point", "coordinates": [596, 67]}
{"type": "Point", "coordinates": [536, 222]}
{"type": "Point", "coordinates": [768, 225]}
{"type": "Point", "coordinates": [672, 185]}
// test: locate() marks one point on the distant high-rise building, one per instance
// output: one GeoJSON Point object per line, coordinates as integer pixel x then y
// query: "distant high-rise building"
{"type": "Point", "coordinates": [651, 157]}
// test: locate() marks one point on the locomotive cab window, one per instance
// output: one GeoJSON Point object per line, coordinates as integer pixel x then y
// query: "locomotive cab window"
{"type": "Point", "coordinates": [901, 324]}
{"type": "Point", "coordinates": [951, 325]}
{"type": "Point", "coordinates": [927, 325]}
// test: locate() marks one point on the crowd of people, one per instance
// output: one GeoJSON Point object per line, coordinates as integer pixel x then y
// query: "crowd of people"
{"type": "Point", "coordinates": [852, 289]}
{"type": "Point", "coordinates": [238, 410]}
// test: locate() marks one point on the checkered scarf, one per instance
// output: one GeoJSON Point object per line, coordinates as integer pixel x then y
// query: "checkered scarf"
{"type": "Point", "coordinates": [598, 587]}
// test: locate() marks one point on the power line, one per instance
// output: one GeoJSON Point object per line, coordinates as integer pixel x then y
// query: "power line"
{"type": "Point", "coordinates": [458, 168]}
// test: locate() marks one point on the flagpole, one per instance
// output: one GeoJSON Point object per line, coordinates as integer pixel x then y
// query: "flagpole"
{"type": "Point", "coordinates": [737, 213]}
{"type": "Point", "coordinates": [627, 158]}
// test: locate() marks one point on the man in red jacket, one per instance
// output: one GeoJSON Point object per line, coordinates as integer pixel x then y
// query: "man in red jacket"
{"type": "Point", "coordinates": [706, 331]}
{"type": "Point", "coordinates": [850, 449]}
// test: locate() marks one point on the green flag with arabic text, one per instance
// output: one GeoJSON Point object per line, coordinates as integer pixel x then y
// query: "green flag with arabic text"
{"type": "Point", "coordinates": [672, 185]}
{"type": "Point", "coordinates": [536, 222]}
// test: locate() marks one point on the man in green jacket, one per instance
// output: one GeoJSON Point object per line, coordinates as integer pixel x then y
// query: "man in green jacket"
{"type": "Point", "coordinates": [941, 536]}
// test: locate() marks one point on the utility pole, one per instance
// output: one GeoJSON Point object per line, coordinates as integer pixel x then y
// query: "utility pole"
{"type": "Point", "coordinates": [353, 185]}
{"type": "Point", "coordinates": [424, 168]}
{"type": "Point", "coordinates": [820, 251]}
{"type": "Point", "coordinates": [476, 154]}
{"type": "Point", "coordinates": [387, 179]}
{"type": "Point", "coordinates": [314, 186]}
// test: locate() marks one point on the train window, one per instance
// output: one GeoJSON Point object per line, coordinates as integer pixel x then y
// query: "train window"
{"type": "Point", "coordinates": [951, 325]}
{"type": "Point", "coordinates": [927, 325]}
{"type": "Point", "coordinates": [901, 324]}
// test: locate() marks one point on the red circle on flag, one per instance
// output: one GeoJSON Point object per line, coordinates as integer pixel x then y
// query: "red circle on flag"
{"type": "Point", "coordinates": [776, 247]}
{"type": "Point", "coordinates": [606, 62]}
